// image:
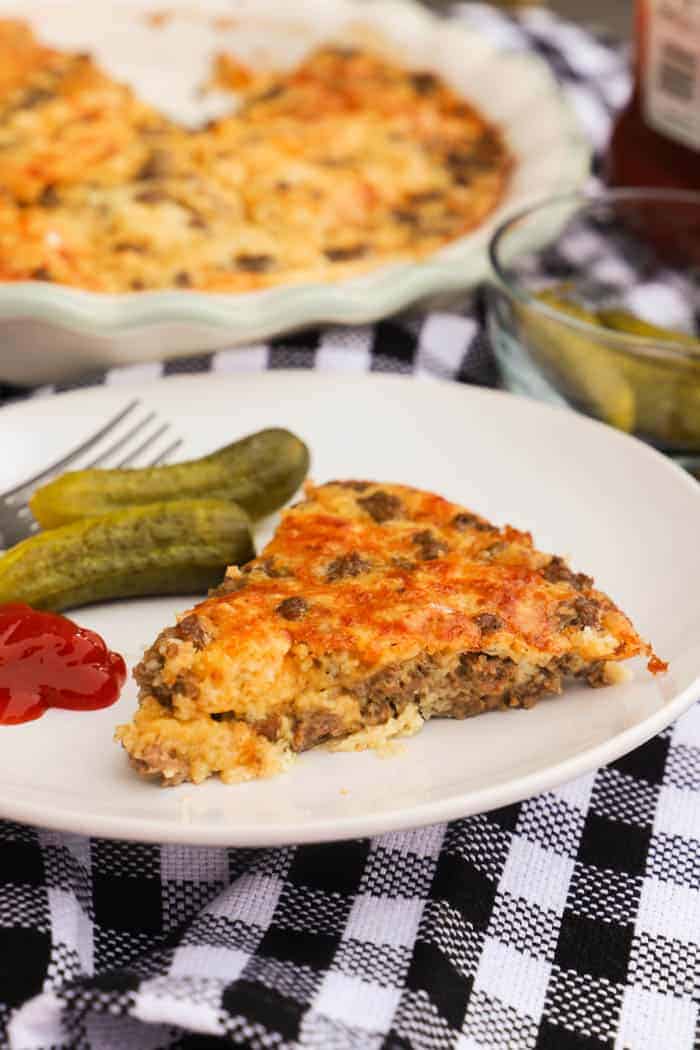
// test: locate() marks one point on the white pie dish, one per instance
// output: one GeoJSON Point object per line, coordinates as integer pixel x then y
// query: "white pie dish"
{"type": "Point", "coordinates": [50, 333]}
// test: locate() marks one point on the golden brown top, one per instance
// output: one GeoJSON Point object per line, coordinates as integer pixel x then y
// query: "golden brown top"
{"type": "Point", "coordinates": [384, 572]}
{"type": "Point", "coordinates": [338, 166]}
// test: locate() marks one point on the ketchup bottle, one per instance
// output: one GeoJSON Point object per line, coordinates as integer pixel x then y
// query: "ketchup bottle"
{"type": "Point", "coordinates": [656, 141]}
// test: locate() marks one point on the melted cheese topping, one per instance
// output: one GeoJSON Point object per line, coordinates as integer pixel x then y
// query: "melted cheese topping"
{"type": "Point", "coordinates": [382, 591]}
{"type": "Point", "coordinates": [341, 165]}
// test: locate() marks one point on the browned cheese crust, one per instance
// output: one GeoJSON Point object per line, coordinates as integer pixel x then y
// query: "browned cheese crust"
{"type": "Point", "coordinates": [373, 608]}
{"type": "Point", "coordinates": [343, 164]}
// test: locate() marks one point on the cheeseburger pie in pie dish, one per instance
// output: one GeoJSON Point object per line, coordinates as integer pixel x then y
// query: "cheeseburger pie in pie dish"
{"type": "Point", "coordinates": [234, 170]}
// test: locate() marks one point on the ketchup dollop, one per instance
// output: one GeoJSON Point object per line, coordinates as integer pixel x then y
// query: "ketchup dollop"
{"type": "Point", "coordinates": [47, 661]}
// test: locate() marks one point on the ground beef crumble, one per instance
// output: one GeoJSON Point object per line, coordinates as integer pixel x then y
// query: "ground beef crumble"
{"type": "Point", "coordinates": [382, 506]}
{"type": "Point", "coordinates": [347, 565]}
{"type": "Point", "coordinates": [292, 608]}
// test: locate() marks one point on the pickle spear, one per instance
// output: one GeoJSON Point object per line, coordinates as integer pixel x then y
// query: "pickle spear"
{"type": "Point", "coordinates": [179, 547]}
{"type": "Point", "coordinates": [624, 321]}
{"type": "Point", "coordinates": [667, 387]}
{"type": "Point", "coordinates": [585, 369]}
{"type": "Point", "coordinates": [259, 473]}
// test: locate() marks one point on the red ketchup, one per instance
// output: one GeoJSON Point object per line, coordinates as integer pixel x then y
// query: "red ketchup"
{"type": "Point", "coordinates": [49, 661]}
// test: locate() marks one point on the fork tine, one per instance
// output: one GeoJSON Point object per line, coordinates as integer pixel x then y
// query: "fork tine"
{"type": "Point", "coordinates": [144, 445]}
{"type": "Point", "coordinates": [121, 442]}
{"type": "Point", "coordinates": [165, 454]}
{"type": "Point", "coordinates": [61, 464]}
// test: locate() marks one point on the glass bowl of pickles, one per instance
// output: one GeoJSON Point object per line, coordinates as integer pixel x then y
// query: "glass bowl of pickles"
{"type": "Point", "coordinates": [595, 304]}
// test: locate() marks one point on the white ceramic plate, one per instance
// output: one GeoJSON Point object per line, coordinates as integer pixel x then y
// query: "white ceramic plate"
{"type": "Point", "coordinates": [49, 332]}
{"type": "Point", "coordinates": [618, 508]}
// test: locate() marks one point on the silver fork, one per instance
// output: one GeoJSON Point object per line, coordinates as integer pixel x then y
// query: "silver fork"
{"type": "Point", "coordinates": [16, 521]}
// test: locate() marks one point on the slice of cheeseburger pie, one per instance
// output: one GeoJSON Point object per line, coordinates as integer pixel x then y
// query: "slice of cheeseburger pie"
{"type": "Point", "coordinates": [374, 607]}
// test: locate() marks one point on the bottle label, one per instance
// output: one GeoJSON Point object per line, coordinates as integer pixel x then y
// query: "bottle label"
{"type": "Point", "coordinates": [672, 73]}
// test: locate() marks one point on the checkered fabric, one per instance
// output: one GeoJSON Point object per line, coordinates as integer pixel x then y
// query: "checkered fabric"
{"type": "Point", "coordinates": [568, 922]}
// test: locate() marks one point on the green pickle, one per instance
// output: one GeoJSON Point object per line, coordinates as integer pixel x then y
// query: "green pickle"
{"type": "Point", "coordinates": [583, 369]}
{"type": "Point", "coordinates": [259, 473]}
{"type": "Point", "coordinates": [623, 321]}
{"type": "Point", "coordinates": [178, 547]}
{"type": "Point", "coordinates": [656, 396]}
{"type": "Point", "coordinates": [667, 388]}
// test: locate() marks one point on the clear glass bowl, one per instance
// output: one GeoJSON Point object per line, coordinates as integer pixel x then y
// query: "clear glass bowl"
{"type": "Point", "coordinates": [595, 304]}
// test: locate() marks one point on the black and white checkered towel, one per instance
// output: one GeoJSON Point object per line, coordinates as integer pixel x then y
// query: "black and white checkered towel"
{"type": "Point", "coordinates": [568, 922]}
